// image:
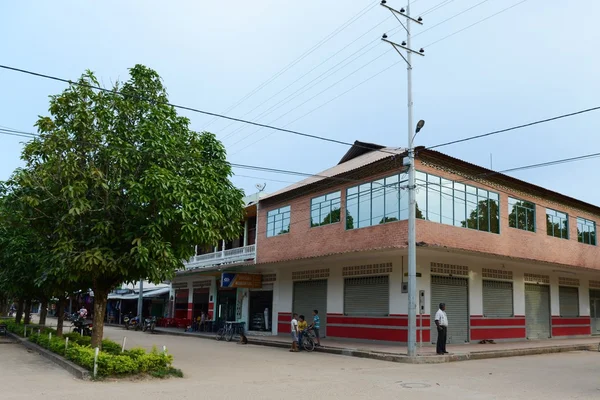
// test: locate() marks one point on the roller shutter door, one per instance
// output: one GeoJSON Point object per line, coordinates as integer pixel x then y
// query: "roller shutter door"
{"type": "Point", "coordinates": [595, 310]}
{"type": "Point", "coordinates": [309, 296]}
{"type": "Point", "coordinates": [367, 296]}
{"type": "Point", "coordinates": [455, 293]}
{"type": "Point", "coordinates": [568, 298]}
{"type": "Point", "coordinates": [497, 299]}
{"type": "Point", "coordinates": [537, 311]}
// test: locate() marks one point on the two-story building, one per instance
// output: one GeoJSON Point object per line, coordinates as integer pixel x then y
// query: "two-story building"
{"type": "Point", "coordinates": [511, 260]}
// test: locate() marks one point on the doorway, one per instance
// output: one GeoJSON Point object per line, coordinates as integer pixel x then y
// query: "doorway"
{"type": "Point", "coordinates": [595, 311]}
{"type": "Point", "coordinates": [260, 307]}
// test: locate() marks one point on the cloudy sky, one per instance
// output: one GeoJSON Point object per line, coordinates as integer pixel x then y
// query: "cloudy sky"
{"type": "Point", "coordinates": [534, 61]}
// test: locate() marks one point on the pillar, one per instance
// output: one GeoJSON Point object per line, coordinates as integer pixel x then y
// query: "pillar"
{"type": "Point", "coordinates": [398, 300]}
{"type": "Point", "coordinates": [245, 233]}
{"type": "Point", "coordinates": [584, 298]}
{"type": "Point", "coordinates": [518, 291]}
{"type": "Point", "coordinates": [212, 298]}
{"type": "Point", "coordinates": [475, 291]}
{"type": "Point", "coordinates": [190, 309]}
{"type": "Point", "coordinates": [554, 296]}
{"type": "Point", "coordinates": [335, 291]}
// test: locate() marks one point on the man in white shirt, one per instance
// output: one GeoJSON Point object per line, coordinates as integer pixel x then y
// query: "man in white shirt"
{"type": "Point", "coordinates": [294, 327]}
{"type": "Point", "coordinates": [441, 321]}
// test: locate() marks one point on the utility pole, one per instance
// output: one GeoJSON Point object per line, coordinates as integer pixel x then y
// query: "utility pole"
{"type": "Point", "coordinates": [140, 302]}
{"type": "Point", "coordinates": [410, 163]}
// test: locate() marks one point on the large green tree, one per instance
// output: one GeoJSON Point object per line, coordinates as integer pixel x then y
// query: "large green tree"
{"type": "Point", "coordinates": [125, 186]}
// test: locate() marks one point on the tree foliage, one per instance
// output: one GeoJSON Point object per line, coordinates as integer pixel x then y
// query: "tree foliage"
{"type": "Point", "coordinates": [123, 187]}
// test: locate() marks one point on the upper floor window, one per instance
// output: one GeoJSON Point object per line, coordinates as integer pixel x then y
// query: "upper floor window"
{"type": "Point", "coordinates": [377, 202]}
{"type": "Point", "coordinates": [586, 231]}
{"type": "Point", "coordinates": [521, 214]}
{"type": "Point", "coordinates": [278, 221]}
{"type": "Point", "coordinates": [454, 203]}
{"type": "Point", "coordinates": [325, 210]}
{"type": "Point", "coordinates": [557, 224]}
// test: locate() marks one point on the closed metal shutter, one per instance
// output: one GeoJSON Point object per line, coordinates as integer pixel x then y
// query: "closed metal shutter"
{"type": "Point", "coordinates": [309, 296]}
{"type": "Point", "coordinates": [367, 296]}
{"type": "Point", "coordinates": [595, 310]}
{"type": "Point", "coordinates": [537, 311]}
{"type": "Point", "coordinates": [568, 298]}
{"type": "Point", "coordinates": [455, 293]}
{"type": "Point", "coordinates": [497, 299]}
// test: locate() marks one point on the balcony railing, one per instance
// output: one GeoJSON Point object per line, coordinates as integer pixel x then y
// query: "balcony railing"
{"type": "Point", "coordinates": [222, 257]}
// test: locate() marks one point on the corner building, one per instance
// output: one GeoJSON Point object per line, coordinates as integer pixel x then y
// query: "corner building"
{"type": "Point", "coordinates": [511, 260]}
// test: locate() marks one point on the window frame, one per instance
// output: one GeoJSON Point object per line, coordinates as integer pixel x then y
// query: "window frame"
{"type": "Point", "coordinates": [511, 208]}
{"type": "Point", "coordinates": [584, 222]}
{"type": "Point", "coordinates": [548, 210]}
{"type": "Point", "coordinates": [326, 203]}
{"type": "Point", "coordinates": [273, 213]}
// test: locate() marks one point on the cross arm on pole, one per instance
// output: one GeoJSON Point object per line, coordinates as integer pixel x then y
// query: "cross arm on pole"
{"type": "Point", "coordinates": [401, 12]}
{"type": "Point", "coordinates": [396, 45]}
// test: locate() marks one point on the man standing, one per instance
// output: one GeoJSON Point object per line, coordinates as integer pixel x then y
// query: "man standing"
{"type": "Point", "coordinates": [441, 321]}
{"type": "Point", "coordinates": [294, 330]}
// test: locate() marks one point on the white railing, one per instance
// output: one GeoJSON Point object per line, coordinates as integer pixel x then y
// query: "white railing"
{"type": "Point", "coordinates": [222, 257]}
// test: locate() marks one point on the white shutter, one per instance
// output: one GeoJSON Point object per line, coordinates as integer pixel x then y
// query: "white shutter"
{"type": "Point", "coordinates": [537, 311]}
{"type": "Point", "coordinates": [497, 299]}
{"type": "Point", "coordinates": [309, 296]}
{"type": "Point", "coordinates": [454, 292]}
{"type": "Point", "coordinates": [568, 298]}
{"type": "Point", "coordinates": [367, 296]}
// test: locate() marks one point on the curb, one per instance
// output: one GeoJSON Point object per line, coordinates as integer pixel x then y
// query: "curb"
{"type": "Point", "coordinates": [73, 369]}
{"type": "Point", "coordinates": [428, 359]}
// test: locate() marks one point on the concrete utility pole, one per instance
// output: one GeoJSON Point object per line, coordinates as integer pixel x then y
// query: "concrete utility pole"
{"type": "Point", "coordinates": [140, 302]}
{"type": "Point", "coordinates": [410, 163]}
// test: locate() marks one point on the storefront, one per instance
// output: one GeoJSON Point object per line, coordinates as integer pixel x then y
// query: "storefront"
{"type": "Point", "coordinates": [226, 304]}
{"type": "Point", "coordinates": [260, 308]}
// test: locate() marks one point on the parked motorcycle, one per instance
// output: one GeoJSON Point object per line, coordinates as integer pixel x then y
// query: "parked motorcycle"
{"type": "Point", "coordinates": [131, 322]}
{"type": "Point", "coordinates": [81, 326]}
{"type": "Point", "coordinates": [150, 325]}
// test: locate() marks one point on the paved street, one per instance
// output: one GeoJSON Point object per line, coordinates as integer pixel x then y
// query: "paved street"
{"type": "Point", "coordinates": [220, 370]}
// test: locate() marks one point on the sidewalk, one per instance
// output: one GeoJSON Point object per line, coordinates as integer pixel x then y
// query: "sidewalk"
{"type": "Point", "coordinates": [426, 354]}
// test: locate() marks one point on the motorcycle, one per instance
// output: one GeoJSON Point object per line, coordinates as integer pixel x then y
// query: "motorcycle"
{"type": "Point", "coordinates": [82, 327]}
{"type": "Point", "coordinates": [131, 322]}
{"type": "Point", "coordinates": [150, 324]}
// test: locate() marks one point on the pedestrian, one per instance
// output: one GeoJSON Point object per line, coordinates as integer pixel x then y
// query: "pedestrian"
{"type": "Point", "coordinates": [441, 321]}
{"type": "Point", "coordinates": [294, 326]}
{"type": "Point", "coordinates": [302, 326]}
{"type": "Point", "coordinates": [83, 312]}
{"type": "Point", "coordinates": [316, 325]}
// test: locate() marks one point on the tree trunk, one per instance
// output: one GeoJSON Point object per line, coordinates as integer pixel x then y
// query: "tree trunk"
{"type": "Point", "coordinates": [60, 313]}
{"type": "Point", "coordinates": [100, 301]}
{"type": "Point", "coordinates": [27, 311]}
{"type": "Point", "coordinates": [19, 316]}
{"type": "Point", "coordinates": [43, 312]}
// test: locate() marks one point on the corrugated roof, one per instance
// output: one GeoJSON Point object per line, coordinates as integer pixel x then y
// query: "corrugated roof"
{"type": "Point", "coordinates": [353, 163]}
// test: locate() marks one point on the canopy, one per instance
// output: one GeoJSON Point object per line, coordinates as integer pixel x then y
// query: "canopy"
{"type": "Point", "coordinates": [135, 296]}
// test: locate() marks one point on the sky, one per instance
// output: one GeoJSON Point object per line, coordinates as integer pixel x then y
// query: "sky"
{"type": "Point", "coordinates": [531, 62]}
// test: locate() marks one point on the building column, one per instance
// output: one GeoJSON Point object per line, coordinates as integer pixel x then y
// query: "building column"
{"type": "Point", "coordinates": [335, 291]}
{"type": "Point", "coordinates": [245, 233]}
{"type": "Point", "coordinates": [398, 300]}
{"type": "Point", "coordinates": [212, 298]}
{"type": "Point", "coordinates": [282, 312]}
{"type": "Point", "coordinates": [275, 305]}
{"type": "Point", "coordinates": [518, 292]}
{"type": "Point", "coordinates": [554, 296]}
{"type": "Point", "coordinates": [475, 291]}
{"type": "Point", "coordinates": [190, 309]}
{"type": "Point", "coordinates": [584, 297]}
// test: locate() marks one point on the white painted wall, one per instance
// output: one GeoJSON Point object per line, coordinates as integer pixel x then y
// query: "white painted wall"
{"type": "Point", "coordinates": [275, 307]}
{"type": "Point", "coordinates": [423, 283]}
{"type": "Point", "coordinates": [398, 300]}
{"type": "Point", "coordinates": [518, 291]}
{"type": "Point", "coordinates": [584, 298]}
{"type": "Point", "coordinates": [554, 297]}
{"type": "Point", "coordinates": [475, 290]}
{"type": "Point", "coordinates": [335, 291]}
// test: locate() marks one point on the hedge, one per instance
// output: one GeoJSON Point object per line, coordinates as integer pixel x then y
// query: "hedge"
{"type": "Point", "coordinates": [111, 361]}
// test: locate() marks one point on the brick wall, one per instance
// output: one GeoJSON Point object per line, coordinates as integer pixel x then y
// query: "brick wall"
{"type": "Point", "coordinates": [304, 241]}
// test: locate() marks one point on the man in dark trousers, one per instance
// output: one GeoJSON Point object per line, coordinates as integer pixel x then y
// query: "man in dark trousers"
{"type": "Point", "coordinates": [441, 321]}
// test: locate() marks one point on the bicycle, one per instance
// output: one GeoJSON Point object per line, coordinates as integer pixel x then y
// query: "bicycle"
{"type": "Point", "coordinates": [230, 330]}
{"type": "Point", "coordinates": [308, 340]}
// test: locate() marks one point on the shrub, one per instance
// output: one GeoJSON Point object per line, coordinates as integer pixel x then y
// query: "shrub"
{"type": "Point", "coordinates": [111, 347]}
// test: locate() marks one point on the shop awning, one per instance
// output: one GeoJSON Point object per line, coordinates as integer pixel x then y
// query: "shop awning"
{"type": "Point", "coordinates": [134, 296]}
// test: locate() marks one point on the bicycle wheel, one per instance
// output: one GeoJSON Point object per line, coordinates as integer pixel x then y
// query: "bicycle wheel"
{"type": "Point", "coordinates": [308, 344]}
{"type": "Point", "coordinates": [229, 335]}
{"type": "Point", "coordinates": [220, 334]}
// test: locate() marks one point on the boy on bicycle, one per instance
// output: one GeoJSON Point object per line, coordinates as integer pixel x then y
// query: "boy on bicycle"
{"type": "Point", "coordinates": [302, 327]}
{"type": "Point", "coordinates": [316, 325]}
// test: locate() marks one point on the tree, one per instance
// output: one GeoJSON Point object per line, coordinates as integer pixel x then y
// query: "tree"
{"type": "Point", "coordinates": [333, 216]}
{"type": "Point", "coordinates": [125, 186]}
{"type": "Point", "coordinates": [522, 216]}
{"type": "Point", "coordinates": [484, 217]}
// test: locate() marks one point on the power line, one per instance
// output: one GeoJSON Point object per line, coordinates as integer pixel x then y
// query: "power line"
{"type": "Point", "coordinates": [515, 127]}
{"type": "Point", "coordinates": [346, 24]}
{"type": "Point", "coordinates": [451, 18]}
{"type": "Point", "coordinates": [45, 76]}
{"type": "Point", "coordinates": [307, 73]}
{"type": "Point", "coordinates": [476, 23]}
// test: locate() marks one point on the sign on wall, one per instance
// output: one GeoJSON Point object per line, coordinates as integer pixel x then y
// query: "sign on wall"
{"type": "Point", "coordinates": [239, 280]}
